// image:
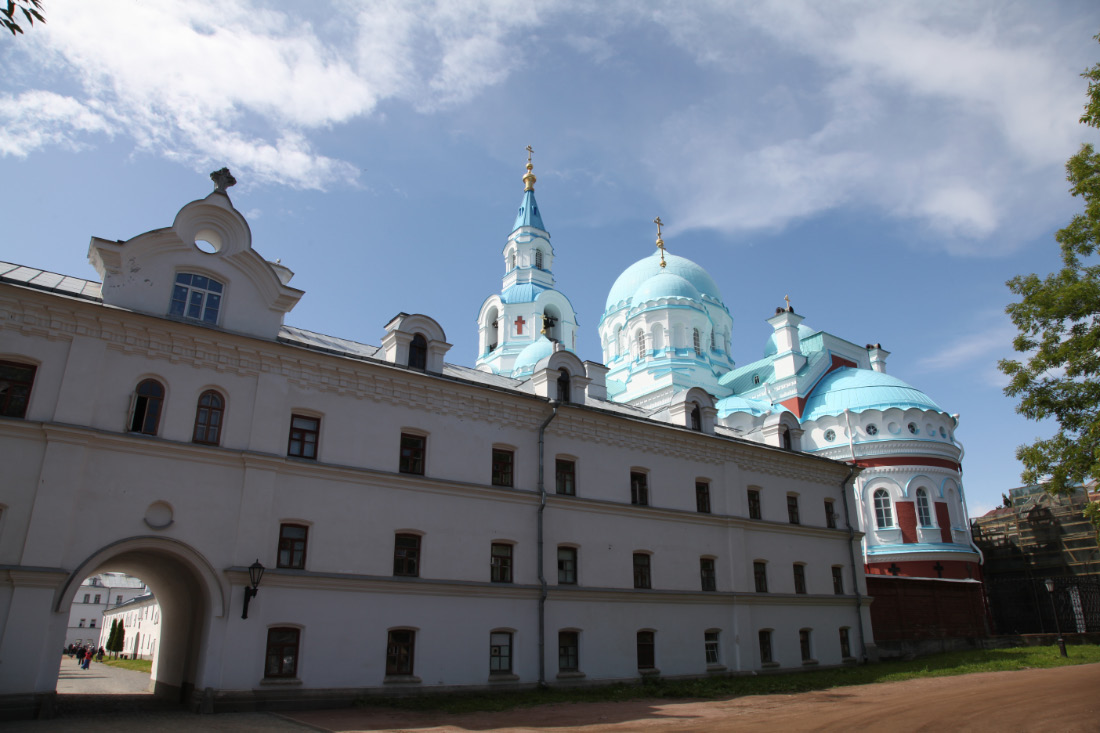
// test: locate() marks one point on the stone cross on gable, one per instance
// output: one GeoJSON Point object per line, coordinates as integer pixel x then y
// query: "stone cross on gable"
{"type": "Point", "coordinates": [222, 179]}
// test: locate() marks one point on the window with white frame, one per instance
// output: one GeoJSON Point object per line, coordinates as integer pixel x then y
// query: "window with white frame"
{"type": "Point", "coordinates": [924, 510]}
{"type": "Point", "coordinates": [500, 652]}
{"type": "Point", "coordinates": [711, 648]}
{"type": "Point", "coordinates": [197, 297]}
{"type": "Point", "coordinates": [884, 511]}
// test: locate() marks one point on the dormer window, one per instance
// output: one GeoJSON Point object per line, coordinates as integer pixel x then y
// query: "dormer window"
{"type": "Point", "coordinates": [197, 297]}
{"type": "Point", "coordinates": [418, 352]}
{"type": "Point", "coordinates": [563, 386]}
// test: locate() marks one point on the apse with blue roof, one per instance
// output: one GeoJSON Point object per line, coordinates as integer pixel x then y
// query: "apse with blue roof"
{"type": "Point", "coordinates": [664, 330]}
{"type": "Point", "coordinates": [818, 393]}
{"type": "Point", "coordinates": [529, 316]}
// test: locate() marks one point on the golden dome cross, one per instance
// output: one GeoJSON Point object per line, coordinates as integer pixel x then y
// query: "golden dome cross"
{"type": "Point", "coordinates": [660, 242]}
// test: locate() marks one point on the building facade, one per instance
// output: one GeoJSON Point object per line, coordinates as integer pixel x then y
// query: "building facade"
{"type": "Point", "coordinates": [140, 619]}
{"type": "Point", "coordinates": [97, 595]}
{"type": "Point", "coordinates": [536, 519]}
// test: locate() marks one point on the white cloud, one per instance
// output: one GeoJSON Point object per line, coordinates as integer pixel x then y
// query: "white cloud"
{"type": "Point", "coordinates": [993, 341]}
{"type": "Point", "coordinates": [37, 119]}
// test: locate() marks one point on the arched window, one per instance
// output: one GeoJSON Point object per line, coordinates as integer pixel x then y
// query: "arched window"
{"type": "Point", "coordinates": [563, 386]}
{"type": "Point", "coordinates": [418, 352]}
{"type": "Point", "coordinates": [695, 342]}
{"type": "Point", "coordinates": [786, 433]}
{"type": "Point", "coordinates": [208, 418]}
{"type": "Point", "coordinates": [641, 345]}
{"type": "Point", "coordinates": [712, 345]}
{"type": "Point", "coordinates": [696, 417]}
{"type": "Point", "coordinates": [538, 259]}
{"type": "Point", "coordinates": [884, 513]}
{"type": "Point", "coordinates": [495, 337]}
{"type": "Point", "coordinates": [618, 341]}
{"type": "Point", "coordinates": [924, 512]}
{"type": "Point", "coordinates": [513, 260]}
{"type": "Point", "coordinates": [148, 398]}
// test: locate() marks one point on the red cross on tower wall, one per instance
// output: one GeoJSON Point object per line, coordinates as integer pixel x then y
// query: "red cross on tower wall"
{"type": "Point", "coordinates": [519, 325]}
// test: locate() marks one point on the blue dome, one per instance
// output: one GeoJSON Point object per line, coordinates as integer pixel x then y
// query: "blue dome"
{"type": "Point", "coordinates": [637, 274]}
{"type": "Point", "coordinates": [531, 355]}
{"type": "Point", "coordinates": [665, 285]}
{"type": "Point", "coordinates": [863, 389]}
{"type": "Point", "coordinates": [770, 348]}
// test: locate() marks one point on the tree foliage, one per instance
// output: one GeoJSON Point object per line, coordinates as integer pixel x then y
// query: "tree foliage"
{"type": "Point", "coordinates": [116, 637]}
{"type": "Point", "coordinates": [30, 9]}
{"type": "Point", "coordinates": [1058, 319]}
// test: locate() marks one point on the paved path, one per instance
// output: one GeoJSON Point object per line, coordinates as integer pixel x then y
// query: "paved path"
{"type": "Point", "coordinates": [100, 679]}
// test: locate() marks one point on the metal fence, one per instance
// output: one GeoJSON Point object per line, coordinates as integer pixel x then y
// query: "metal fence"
{"type": "Point", "coordinates": [1024, 606]}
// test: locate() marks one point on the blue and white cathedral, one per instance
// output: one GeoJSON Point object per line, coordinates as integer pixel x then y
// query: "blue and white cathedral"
{"type": "Point", "coordinates": [666, 333]}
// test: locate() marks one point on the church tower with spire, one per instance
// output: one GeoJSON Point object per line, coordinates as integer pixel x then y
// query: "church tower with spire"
{"type": "Point", "coordinates": [529, 319]}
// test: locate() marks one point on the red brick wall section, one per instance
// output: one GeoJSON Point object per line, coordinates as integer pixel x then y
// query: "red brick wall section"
{"type": "Point", "coordinates": [943, 518]}
{"type": "Point", "coordinates": [915, 608]}
{"type": "Point", "coordinates": [907, 520]}
{"type": "Point", "coordinates": [952, 569]}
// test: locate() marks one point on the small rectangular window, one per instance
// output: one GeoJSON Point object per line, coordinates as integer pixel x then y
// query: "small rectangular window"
{"type": "Point", "coordinates": [760, 576]}
{"type": "Point", "coordinates": [118, 600]}
{"type": "Point", "coordinates": [502, 467]}
{"type": "Point", "coordinates": [400, 645]}
{"type": "Point", "coordinates": [799, 578]}
{"type": "Point", "coordinates": [639, 488]}
{"type": "Point", "coordinates": [81, 624]}
{"type": "Point", "coordinates": [707, 574]}
{"type": "Point", "coordinates": [567, 566]}
{"type": "Point", "coordinates": [765, 637]}
{"type": "Point", "coordinates": [830, 514]}
{"type": "Point", "coordinates": [565, 476]}
{"type": "Point", "coordinates": [97, 597]}
{"type": "Point", "coordinates": [500, 652]}
{"type": "Point", "coordinates": [641, 570]}
{"type": "Point", "coordinates": [838, 580]}
{"type": "Point", "coordinates": [845, 644]}
{"type": "Point", "coordinates": [292, 546]}
{"type": "Point", "coordinates": [568, 651]}
{"type": "Point", "coordinates": [412, 454]}
{"type": "Point", "coordinates": [304, 432]}
{"type": "Point", "coordinates": [87, 597]}
{"type": "Point", "coordinates": [282, 652]}
{"type": "Point", "coordinates": [647, 658]}
{"type": "Point", "coordinates": [702, 497]}
{"type": "Point", "coordinates": [754, 504]}
{"type": "Point", "coordinates": [792, 509]}
{"type": "Point", "coordinates": [501, 563]}
{"type": "Point", "coordinates": [710, 646]}
{"type": "Point", "coordinates": [91, 623]}
{"type": "Point", "coordinates": [16, 381]}
{"type": "Point", "coordinates": [804, 645]}
{"type": "Point", "coordinates": [406, 555]}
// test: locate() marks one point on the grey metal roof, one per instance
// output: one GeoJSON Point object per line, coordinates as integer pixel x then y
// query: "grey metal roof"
{"type": "Point", "coordinates": [44, 280]}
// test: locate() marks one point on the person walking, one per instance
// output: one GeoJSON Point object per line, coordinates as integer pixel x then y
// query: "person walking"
{"type": "Point", "coordinates": [88, 658]}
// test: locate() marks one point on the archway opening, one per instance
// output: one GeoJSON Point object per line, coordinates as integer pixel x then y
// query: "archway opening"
{"type": "Point", "coordinates": [161, 596]}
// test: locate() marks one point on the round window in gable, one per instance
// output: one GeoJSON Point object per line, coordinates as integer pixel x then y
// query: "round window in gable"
{"type": "Point", "coordinates": [208, 241]}
{"type": "Point", "coordinates": [913, 428]}
{"type": "Point", "coordinates": [872, 429]}
{"type": "Point", "coordinates": [830, 435]}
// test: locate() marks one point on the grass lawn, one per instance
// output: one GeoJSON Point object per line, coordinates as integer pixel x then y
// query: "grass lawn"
{"type": "Point", "coordinates": [940, 665]}
{"type": "Point", "coordinates": [138, 665]}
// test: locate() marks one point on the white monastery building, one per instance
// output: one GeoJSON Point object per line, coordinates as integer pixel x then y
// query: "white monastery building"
{"type": "Point", "coordinates": [536, 519]}
{"type": "Point", "coordinates": [140, 619]}
{"type": "Point", "coordinates": [97, 595]}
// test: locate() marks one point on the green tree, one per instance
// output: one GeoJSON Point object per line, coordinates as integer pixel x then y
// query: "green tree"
{"type": "Point", "coordinates": [9, 15]}
{"type": "Point", "coordinates": [1058, 318]}
{"type": "Point", "coordinates": [118, 636]}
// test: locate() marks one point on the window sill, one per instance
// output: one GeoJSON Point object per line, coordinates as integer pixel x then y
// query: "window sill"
{"type": "Point", "coordinates": [577, 675]}
{"type": "Point", "coordinates": [770, 665]}
{"type": "Point", "coordinates": [504, 677]}
{"type": "Point", "coordinates": [809, 662]}
{"type": "Point", "coordinates": [400, 679]}
{"type": "Point", "coordinates": [280, 682]}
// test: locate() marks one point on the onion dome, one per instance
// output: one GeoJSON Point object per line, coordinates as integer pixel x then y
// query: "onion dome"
{"type": "Point", "coordinates": [635, 276]}
{"type": "Point", "coordinates": [531, 355]}
{"type": "Point", "coordinates": [665, 285]}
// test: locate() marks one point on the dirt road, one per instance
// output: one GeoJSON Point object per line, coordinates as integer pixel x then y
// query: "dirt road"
{"type": "Point", "coordinates": [1065, 699]}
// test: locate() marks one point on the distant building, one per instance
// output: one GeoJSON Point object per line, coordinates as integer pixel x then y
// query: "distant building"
{"type": "Point", "coordinates": [140, 619]}
{"type": "Point", "coordinates": [98, 594]}
{"type": "Point", "coordinates": [1040, 536]}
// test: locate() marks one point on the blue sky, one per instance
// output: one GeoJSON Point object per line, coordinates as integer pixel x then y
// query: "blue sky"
{"type": "Point", "coordinates": [886, 165]}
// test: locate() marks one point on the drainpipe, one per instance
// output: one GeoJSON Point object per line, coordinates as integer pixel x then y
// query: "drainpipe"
{"type": "Point", "coordinates": [542, 575]}
{"type": "Point", "coordinates": [851, 537]}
